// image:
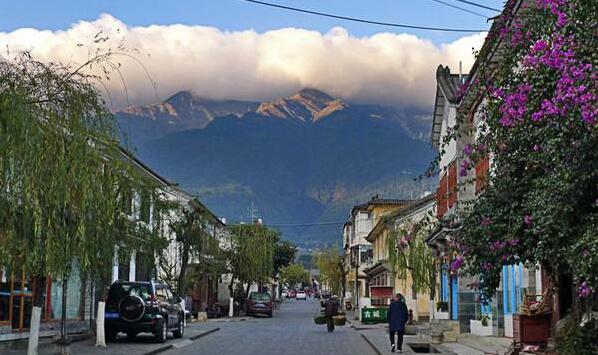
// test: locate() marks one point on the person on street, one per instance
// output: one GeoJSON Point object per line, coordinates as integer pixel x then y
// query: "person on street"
{"type": "Point", "coordinates": [397, 317]}
{"type": "Point", "coordinates": [330, 310]}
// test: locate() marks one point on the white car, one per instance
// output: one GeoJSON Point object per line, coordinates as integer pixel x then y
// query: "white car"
{"type": "Point", "coordinates": [301, 295]}
{"type": "Point", "coordinates": [283, 294]}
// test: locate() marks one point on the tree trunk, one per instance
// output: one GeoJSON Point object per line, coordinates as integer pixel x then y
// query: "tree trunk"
{"type": "Point", "coordinates": [63, 317]}
{"type": "Point", "coordinates": [184, 265]}
{"type": "Point", "coordinates": [39, 282]}
{"type": "Point", "coordinates": [247, 290]}
{"type": "Point", "coordinates": [231, 303]}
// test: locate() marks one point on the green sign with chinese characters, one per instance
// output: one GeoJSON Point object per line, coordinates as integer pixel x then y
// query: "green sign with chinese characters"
{"type": "Point", "coordinates": [373, 314]}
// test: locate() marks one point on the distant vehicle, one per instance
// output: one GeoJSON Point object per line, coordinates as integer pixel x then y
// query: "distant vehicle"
{"type": "Point", "coordinates": [317, 294]}
{"type": "Point", "coordinates": [291, 294]}
{"type": "Point", "coordinates": [259, 303]}
{"type": "Point", "coordinates": [284, 294]}
{"type": "Point", "coordinates": [143, 307]}
{"type": "Point", "coordinates": [301, 295]}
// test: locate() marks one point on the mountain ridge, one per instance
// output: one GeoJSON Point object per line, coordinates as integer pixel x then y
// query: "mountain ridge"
{"type": "Point", "coordinates": [304, 157]}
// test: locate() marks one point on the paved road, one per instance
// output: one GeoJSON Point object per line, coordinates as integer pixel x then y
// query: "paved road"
{"type": "Point", "coordinates": [290, 331]}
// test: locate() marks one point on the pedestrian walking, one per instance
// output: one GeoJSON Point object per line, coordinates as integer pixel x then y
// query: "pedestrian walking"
{"type": "Point", "coordinates": [397, 317]}
{"type": "Point", "coordinates": [330, 310]}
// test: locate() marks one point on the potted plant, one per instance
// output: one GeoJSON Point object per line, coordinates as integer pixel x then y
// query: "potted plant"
{"type": "Point", "coordinates": [442, 310]}
{"type": "Point", "coordinates": [481, 326]}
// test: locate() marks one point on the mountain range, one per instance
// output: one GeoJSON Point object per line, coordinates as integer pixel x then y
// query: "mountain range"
{"type": "Point", "coordinates": [302, 160]}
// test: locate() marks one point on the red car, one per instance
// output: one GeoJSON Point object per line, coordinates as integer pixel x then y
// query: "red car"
{"type": "Point", "coordinates": [259, 303]}
{"type": "Point", "coordinates": [291, 294]}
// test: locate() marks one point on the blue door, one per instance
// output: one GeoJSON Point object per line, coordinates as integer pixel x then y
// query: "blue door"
{"type": "Point", "coordinates": [444, 287]}
{"type": "Point", "coordinates": [454, 298]}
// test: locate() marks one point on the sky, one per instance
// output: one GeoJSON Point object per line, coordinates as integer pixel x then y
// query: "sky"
{"type": "Point", "coordinates": [235, 49]}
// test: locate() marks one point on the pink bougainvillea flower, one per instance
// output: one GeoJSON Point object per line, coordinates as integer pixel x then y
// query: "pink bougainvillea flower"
{"type": "Point", "coordinates": [527, 220]}
{"type": "Point", "coordinates": [584, 290]}
{"type": "Point", "coordinates": [486, 222]}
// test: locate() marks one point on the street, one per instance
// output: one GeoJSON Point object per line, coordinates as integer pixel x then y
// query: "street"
{"type": "Point", "coordinates": [290, 331]}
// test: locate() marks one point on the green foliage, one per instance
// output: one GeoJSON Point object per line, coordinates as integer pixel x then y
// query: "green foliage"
{"type": "Point", "coordinates": [541, 203]}
{"type": "Point", "coordinates": [578, 337]}
{"type": "Point", "coordinates": [331, 272]}
{"type": "Point", "coordinates": [250, 252]}
{"type": "Point", "coordinates": [409, 254]}
{"type": "Point", "coordinates": [62, 174]}
{"type": "Point", "coordinates": [199, 255]}
{"type": "Point", "coordinates": [293, 274]}
{"type": "Point", "coordinates": [284, 254]}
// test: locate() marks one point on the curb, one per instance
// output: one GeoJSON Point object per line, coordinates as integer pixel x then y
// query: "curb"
{"type": "Point", "coordinates": [374, 347]}
{"type": "Point", "coordinates": [173, 345]}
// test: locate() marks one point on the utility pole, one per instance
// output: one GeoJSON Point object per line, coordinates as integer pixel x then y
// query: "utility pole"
{"type": "Point", "coordinates": [252, 213]}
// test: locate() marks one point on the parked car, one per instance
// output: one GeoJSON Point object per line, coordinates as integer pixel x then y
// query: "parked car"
{"type": "Point", "coordinates": [259, 303]}
{"type": "Point", "coordinates": [301, 295]}
{"type": "Point", "coordinates": [317, 294]}
{"type": "Point", "coordinates": [143, 307]}
{"type": "Point", "coordinates": [284, 294]}
{"type": "Point", "coordinates": [291, 294]}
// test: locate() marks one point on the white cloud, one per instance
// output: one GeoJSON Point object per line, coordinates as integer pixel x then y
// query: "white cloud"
{"type": "Point", "coordinates": [384, 68]}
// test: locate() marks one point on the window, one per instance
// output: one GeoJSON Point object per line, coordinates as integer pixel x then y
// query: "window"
{"type": "Point", "coordinates": [452, 184]}
{"type": "Point", "coordinates": [144, 209]}
{"type": "Point", "coordinates": [481, 174]}
{"type": "Point", "coordinates": [441, 199]}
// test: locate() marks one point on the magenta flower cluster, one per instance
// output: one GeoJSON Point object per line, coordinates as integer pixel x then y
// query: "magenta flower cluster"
{"type": "Point", "coordinates": [584, 290]}
{"type": "Point", "coordinates": [575, 90]}
{"type": "Point", "coordinates": [457, 263]}
{"type": "Point", "coordinates": [514, 106]}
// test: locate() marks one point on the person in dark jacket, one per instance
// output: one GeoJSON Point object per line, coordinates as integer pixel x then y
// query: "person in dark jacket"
{"type": "Point", "coordinates": [397, 317]}
{"type": "Point", "coordinates": [330, 310]}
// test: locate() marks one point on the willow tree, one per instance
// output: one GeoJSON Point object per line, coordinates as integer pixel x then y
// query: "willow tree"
{"type": "Point", "coordinates": [250, 254]}
{"type": "Point", "coordinates": [409, 256]}
{"type": "Point", "coordinates": [293, 274]}
{"type": "Point", "coordinates": [62, 173]}
{"type": "Point", "coordinates": [328, 262]}
{"type": "Point", "coordinates": [197, 248]}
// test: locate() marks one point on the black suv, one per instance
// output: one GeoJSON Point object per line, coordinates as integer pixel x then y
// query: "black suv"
{"type": "Point", "coordinates": [143, 307]}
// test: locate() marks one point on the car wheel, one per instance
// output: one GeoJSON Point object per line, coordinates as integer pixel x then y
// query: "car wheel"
{"type": "Point", "coordinates": [162, 332]}
{"type": "Point", "coordinates": [270, 314]}
{"type": "Point", "coordinates": [178, 333]}
{"type": "Point", "coordinates": [131, 335]}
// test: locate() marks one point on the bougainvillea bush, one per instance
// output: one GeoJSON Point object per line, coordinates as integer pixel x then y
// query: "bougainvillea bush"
{"type": "Point", "coordinates": [540, 205]}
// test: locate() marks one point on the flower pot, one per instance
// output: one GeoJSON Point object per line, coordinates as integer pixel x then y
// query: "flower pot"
{"type": "Point", "coordinates": [478, 328]}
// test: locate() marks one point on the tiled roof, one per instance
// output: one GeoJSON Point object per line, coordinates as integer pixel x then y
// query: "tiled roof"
{"type": "Point", "coordinates": [376, 201]}
{"type": "Point", "coordinates": [447, 88]}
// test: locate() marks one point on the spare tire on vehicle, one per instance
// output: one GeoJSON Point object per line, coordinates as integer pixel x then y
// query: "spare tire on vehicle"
{"type": "Point", "coordinates": [131, 308]}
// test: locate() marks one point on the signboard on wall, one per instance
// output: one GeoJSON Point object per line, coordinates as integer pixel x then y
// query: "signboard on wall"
{"type": "Point", "coordinates": [381, 291]}
{"type": "Point", "coordinates": [374, 314]}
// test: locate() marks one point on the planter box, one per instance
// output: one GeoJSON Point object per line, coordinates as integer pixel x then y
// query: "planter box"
{"type": "Point", "coordinates": [478, 329]}
{"type": "Point", "coordinates": [531, 329]}
{"type": "Point", "coordinates": [442, 315]}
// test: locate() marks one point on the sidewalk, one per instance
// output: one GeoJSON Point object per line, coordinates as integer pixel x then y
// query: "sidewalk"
{"type": "Point", "coordinates": [467, 344]}
{"type": "Point", "coordinates": [143, 344]}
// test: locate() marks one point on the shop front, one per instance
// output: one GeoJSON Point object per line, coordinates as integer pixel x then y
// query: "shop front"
{"type": "Point", "coordinates": [17, 290]}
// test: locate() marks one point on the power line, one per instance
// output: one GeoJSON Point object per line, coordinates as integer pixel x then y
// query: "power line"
{"type": "Point", "coordinates": [305, 224]}
{"type": "Point", "coordinates": [461, 8]}
{"type": "Point", "coordinates": [478, 5]}
{"type": "Point", "coordinates": [443, 29]}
